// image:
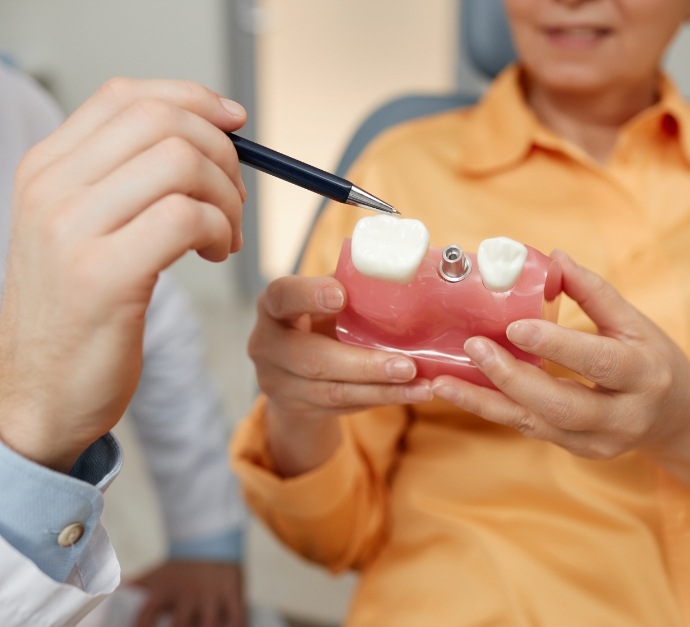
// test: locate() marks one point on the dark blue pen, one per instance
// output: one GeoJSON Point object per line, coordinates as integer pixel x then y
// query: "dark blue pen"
{"type": "Point", "coordinates": [306, 176]}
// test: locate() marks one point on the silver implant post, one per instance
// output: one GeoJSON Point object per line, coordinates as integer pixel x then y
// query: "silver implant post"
{"type": "Point", "coordinates": [455, 264]}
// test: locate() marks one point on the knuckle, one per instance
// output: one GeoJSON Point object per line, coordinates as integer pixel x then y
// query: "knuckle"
{"type": "Point", "coordinates": [311, 364]}
{"type": "Point", "coordinates": [525, 422]}
{"type": "Point", "coordinates": [156, 113]}
{"type": "Point", "coordinates": [632, 430]}
{"type": "Point", "coordinates": [335, 394]}
{"type": "Point", "coordinates": [193, 91]}
{"type": "Point", "coordinates": [185, 162]}
{"type": "Point", "coordinates": [603, 364]}
{"type": "Point", "coordinates": [180, 153]}
{"type": "Point", "coordinates": [503, 378]}
{"type": "Point", "coordinates": [179, 215]}
{"type": "Point", "coordinates": [561, 411]}
{"type": "Point", "coordinates": [116, 89]}
{"type": "Point", "coordinates": [25, 168]}
{"type": "Point", "coordinates": [34, 195]}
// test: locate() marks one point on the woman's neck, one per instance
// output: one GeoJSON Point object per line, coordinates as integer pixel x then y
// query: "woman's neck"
{"type": "Point", "coordinates": [591, 120]}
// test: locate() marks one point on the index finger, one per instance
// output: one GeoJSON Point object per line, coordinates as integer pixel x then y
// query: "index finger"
{"type": "Point", "coordinates": [605, 361]}
{"type": "Point", "coordinates": [291, 297]}
{"type": "Point", "coordinates": [119, 93]}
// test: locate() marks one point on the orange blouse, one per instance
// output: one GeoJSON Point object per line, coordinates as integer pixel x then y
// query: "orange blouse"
{"type": "Point", "coordinates": [455, 521]}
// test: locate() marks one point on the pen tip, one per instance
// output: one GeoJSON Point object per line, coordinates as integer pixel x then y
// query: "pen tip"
{"type": "Point", "coordinates": [360, 198]}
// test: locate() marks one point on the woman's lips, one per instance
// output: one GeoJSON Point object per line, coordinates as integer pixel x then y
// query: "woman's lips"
{"type": "Point", "coordinates": [577, 37]}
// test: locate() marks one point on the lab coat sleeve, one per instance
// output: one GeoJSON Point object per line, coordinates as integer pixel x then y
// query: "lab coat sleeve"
{"type": "Point", "coordinates": [41, 582]}
{"type": "Point", "coordinates": [183, 427]}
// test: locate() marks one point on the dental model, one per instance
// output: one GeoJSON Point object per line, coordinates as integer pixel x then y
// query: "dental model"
{"type": "Point", "coordinates": [408, 297]}
{"type": "Point", "coordinates": [389, 248]}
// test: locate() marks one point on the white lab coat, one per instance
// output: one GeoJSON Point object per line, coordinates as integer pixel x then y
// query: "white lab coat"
{"type": "Point", "coordinates": [29, 597]}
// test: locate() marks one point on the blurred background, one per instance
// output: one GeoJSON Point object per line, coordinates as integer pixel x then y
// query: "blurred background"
{"type": "Point", "coordinates": [308, 71]}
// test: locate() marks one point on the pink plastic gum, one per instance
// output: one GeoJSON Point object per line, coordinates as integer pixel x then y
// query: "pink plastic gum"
{"type": "Point", "coordinates": [430, 318]}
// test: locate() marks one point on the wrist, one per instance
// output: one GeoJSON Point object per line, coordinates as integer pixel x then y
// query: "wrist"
{"type": "Point", "coordinates": [31, 439]}
{"type": "Point", "coordinates": [298, 445]}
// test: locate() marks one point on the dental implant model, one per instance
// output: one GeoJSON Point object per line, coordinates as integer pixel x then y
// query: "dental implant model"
{"type": "Point", "coordinates": [408, 297]}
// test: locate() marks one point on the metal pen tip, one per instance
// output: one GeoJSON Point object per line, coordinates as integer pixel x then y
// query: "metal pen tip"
{"type": "Point", "coordinates": [360, 198]}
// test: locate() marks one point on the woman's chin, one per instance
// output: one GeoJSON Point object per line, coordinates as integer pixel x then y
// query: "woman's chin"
{"type": "Point", "coordinates": [568, 78]}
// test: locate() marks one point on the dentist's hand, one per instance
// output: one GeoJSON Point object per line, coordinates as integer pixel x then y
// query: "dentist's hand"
{"type": "Point", "coordinates": [310, 378]}
{"type": "Point", "coordinates": [137, 176]}
{"type": "Point", "coordinates": [193, 592]}
{"type": "Point", "coordinates": [640, 392]}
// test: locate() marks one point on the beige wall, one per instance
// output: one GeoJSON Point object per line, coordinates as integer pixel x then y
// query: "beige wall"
{"type": "Point", "coordinates": [322, 66]}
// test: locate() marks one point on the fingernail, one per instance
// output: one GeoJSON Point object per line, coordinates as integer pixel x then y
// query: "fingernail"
{"type": "Point", "coordinates": [331, 298]}
{"type": "Point", "coordinates": [399, 369]}
{"type": "Point", "coordinates": [523, 333]}
{"type": "Point", "coordinates": [478, 351]}
{"type": "Point", "coordinates": [419, 393]}
{"type": "Point", "coordinates": [234, 108]}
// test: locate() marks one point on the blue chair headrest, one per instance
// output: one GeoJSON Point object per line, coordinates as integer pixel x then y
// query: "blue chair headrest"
{"type": "Point", "coordinates": [486, 36]}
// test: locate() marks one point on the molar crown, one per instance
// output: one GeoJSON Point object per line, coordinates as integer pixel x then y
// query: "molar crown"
{"type": "Point", "coordinates": [389, 248]}
{"type": "Point", "coordinates": [500, 261]}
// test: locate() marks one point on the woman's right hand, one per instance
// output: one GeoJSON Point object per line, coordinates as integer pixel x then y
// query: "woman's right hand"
{"type": "Point", "coordinates": [310, 378]}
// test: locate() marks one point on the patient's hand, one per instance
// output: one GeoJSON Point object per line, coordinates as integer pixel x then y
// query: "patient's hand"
{"type": "Point", "coordinates": [640, 392]}
{"type": "Point", "coordinates": [310, 378]}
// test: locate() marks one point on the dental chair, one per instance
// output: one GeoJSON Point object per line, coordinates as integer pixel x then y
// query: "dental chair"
{"type": "Point", "coordinates": [486, 42]}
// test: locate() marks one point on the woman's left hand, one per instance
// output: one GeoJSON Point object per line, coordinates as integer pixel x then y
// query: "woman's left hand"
{"type": "Point", "coordinates": [640, 392]}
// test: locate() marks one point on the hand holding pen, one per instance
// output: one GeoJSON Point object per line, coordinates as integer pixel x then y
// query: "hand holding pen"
{"type": "Point", "coordinates": [135, 178]}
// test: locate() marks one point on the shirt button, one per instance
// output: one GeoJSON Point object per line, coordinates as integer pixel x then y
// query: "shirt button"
{"type": "Point", "coordinates": [71, 534]}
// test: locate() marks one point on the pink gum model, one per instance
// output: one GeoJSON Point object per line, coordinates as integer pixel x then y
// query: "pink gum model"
{"type": "Point", "coordinates": [430, 317]}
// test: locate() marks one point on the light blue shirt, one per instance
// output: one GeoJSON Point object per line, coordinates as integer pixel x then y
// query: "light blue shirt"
{"type": "Point", "coordinates": [38, 503]}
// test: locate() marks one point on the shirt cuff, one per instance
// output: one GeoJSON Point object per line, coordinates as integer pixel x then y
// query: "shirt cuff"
{"type": "Point", "coordinates": [40, 506]}
{"type": "Point", "coordinates": [307, 496]}
{"type": "Point", "coordinates": [227, 546]}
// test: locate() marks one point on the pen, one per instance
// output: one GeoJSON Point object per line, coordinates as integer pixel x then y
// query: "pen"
{"type": "Point", "coordinates": [306, 176]}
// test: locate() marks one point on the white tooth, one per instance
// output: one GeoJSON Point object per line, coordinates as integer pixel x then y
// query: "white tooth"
{"type": "Point", "coordinates": [500, 261]}
{"type": "Point", "coordinates": [581, 32]}
{"type": "Point", "coordinates": [389, 248]}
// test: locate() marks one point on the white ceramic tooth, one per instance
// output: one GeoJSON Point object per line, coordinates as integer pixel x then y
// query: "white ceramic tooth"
{"type": "Point", "coordinates": [500, 261]}
{"type": "Point", "coordinates": [389, 248]}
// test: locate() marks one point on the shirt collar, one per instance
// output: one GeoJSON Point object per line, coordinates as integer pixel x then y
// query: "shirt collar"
{"type": "Point", "coordinates": [674, 113]}
{"type": "Point", "coordinates": [502, 129]}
